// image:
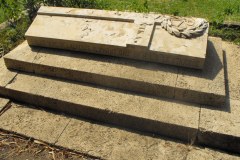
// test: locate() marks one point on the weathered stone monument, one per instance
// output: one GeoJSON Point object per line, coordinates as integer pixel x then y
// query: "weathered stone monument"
{"type": "Point", "coordinates": [121, 68]}
{"type": "Point", "coordinates": [148, 37]}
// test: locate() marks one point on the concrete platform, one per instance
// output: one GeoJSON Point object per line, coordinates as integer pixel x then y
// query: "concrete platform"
{"type": "Point", "coordinates": [203, 87]}
{"type": "Point", "coordinates": [221, 128]}
{"type": "Point", "coordinates": [159, 116]}
{"type": "Point", "coordinates": [215, 127]}
{"type": "Point", "coordinates": [122, 34]}
{"type": "Point", "coordinates": [99, 139]}
{"type": "Point", "coordinates": [33, 123]}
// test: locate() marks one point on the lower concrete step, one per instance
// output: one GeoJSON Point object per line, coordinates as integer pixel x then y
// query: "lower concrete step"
{"type": "Point", "coordinates": [158, 116]}
{"type": "Point", "coordinates": [99, 139]}
{"type": "Point", "coordinates": [202, 87]}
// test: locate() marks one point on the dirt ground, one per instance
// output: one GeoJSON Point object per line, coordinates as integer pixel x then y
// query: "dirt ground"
{"type": "Point", "coordinates": [14, 147]}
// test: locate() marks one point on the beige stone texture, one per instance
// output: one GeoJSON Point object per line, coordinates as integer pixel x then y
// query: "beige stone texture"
{"type": "Point", "coordinates": [5, 76]}
{"type": "Point", "coordinates": [99, 139]}
{"type": "Point", "coordinates": [174, 119]}
{"type": "Point", "coordinates": [154, 79]}
{"type": "Point", "coordinates": [221, 128]}
{"type": "Point", "coordinates": [37, 124]}
{"type": "Point", "coordinates": [109, 142]}
{"type": "Point", "coordinates": [232, 59]}
{"type": "Point", "coordinates": [208, 86]}
{"type": "Point", "coordinates": [207, 154]}
{"type": "Point", "coordinates": [204, 87]}
{"type": "Point", "coordinates": [3, 103]}
{"type": "Point", "coordinates": [115, 143]}
{"type": "Point", "coordinates": [23, 53]}
{"type": "Point", "coordinates": [134, 36]}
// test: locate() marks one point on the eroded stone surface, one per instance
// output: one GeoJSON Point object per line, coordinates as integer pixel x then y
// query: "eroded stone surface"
{"type": "Point", "coordinates": [135, 36]}
{"type": "Point", "coordinates": [221, 127]}
{"type": "Point", "coordinates": [22, 53]}
{"type": "Point", "coordinates": [204, 87]}
{"type": "Point", "coordinates": [160, 116]}
{"type": "Point", "coordinates": [112, 143]}
{"type": "Point", "coordinates": [98, 139]}
{"type": "Point", "coordinates": [3, 103]}
{"type": "Point", "coordinates": [116, 143]}
{"type": "Point", "coordinates": [206, 154]}
{"type": "Point", "coordinates": [107, 71]}
{"type": "Point", "coordinates": [6, 76]}
{"type": "Point", "coordinates": [34, 123]}
{"type": "Point", "coordinates": [209, 85]}
{"type": "Point", "coordinates": [232, 59]}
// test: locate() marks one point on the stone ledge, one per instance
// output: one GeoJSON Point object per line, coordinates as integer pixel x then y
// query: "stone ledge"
{"type": "Point", "coordinates": [204, 87]}
{"type": "Point", "coordinates": [159, 116]}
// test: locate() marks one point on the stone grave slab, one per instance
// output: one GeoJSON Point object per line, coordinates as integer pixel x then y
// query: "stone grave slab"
{"type": "Point", "coordinates": [149, 37]}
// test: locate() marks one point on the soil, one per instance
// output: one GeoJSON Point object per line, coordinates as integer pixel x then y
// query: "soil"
{"type": "Point", "coordinates": [14, 147]}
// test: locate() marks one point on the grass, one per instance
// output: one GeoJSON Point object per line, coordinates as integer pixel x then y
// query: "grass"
{"type": "Point", "coordinates": [11, 36]}
{"type": "Point", "coordinates": [1, 16]}
{"type": "Point", "coordinates": [215, 11]}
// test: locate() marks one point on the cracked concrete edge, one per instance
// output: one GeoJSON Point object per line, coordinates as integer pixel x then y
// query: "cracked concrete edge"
{"type": "Point", "coordinates": [4, 103]}
{"type": "Point", "coordinates": [62, 131]}
{"type": "Point", "coordinates": [29, 121]}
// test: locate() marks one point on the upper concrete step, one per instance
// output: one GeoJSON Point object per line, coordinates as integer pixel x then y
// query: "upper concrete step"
{"type": "Point", "coordinates": [147, 37]}
{"type": "Point", "coordinates": [203, 87]}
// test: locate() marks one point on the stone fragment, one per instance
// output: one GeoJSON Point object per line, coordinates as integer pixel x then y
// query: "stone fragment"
{"type": "Point", "coordinates": [38, 124]}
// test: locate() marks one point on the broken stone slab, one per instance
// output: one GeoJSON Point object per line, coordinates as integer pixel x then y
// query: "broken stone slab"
{"type": "Point", "coordinates": [141, 77]}
{"type": "Point", "coordinates": [33, 123]}
{"type": "Point", "coordinates": [6, 76]}
{"type": "Point", "coordinates": [130, 35]}
{"type": "Point", "coordinates": [3, 103]}
{"type": "Point", "coordinates": [159, 116]}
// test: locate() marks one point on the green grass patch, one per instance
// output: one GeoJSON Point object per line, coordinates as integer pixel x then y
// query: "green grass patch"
{"type": "Point", "coordinates": [213, 10]}
{"type": "Point", "coordinates": [11, 36]}
{"type": "Point", "coordinates": [2, 18]}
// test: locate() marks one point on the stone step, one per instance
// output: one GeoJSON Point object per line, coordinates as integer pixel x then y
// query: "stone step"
{"type": "Point", "coordinates": [122, 34]}
{"type": "Point", "coordinates": [159, 116]}
{"type": "Point", "coordinates": [99, 139]}
{"type": "Point", "coordinates": [203, 87]}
